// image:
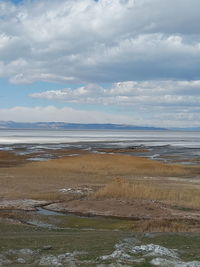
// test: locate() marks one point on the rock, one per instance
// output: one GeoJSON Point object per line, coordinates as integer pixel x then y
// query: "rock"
{"type": "Point", "coordinates": [174, 263]}
{"type": "Point", "coordinates": [4, 261]}
{"type": "Point", "coordinates": [21, 260]}
{"type": "Point", "coordinates": [26, 251]}
{"type": "Point", "coordinates": [50, 260]}
{"type": "Point", "coordinates": [127, 252]}
{"type": "Point", "coordinates": [112, 265]}
{"type": "Point", "coordinates": [21, 252]}
{"type": "Point", "coordinates": [66, 259]}
{"type": "Point", "coordinates": [117, 254]}
{"type": "Point", "coordinates": [154, 250]}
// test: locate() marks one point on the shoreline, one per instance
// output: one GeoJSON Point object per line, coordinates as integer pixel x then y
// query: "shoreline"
{"type": "Point", "coordinates": [36, 152]}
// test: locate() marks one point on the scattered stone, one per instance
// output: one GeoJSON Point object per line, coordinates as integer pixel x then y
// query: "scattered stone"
{"type": "Point", "coordinates": [123, 252]}
{"type": "Point", "coordinates": [66, 259]}
{"type": "Point", "coordinates": [112, 265]}
{"type": "Point", "coordinates": [154, 250]}
{"type": "Point", "coordinates": [162, 262]}
{"type": "Point", "coordinates": [21, 260]}
{"type": "Point", "coordinates": [26, 251]}
{"type": "Point", "coordinates": [189, 264]}
{"type": "Point", "coordinates": [22, 252]}
{"type": "Point", "coordinates": [79, 190]}
{"type": "Point", "coordinates": [117, 254]}
{"type": "Point", "coordinates": [4, 261]}
{"type": "Point", "coordinates": [174, 263]}
{"type": "Point", "coordinates": [127, 252]}
{"type": "Point", "coordinates": [49, 260]}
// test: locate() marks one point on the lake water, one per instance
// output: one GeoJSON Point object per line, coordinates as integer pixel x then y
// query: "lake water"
{"type": "Point", "coordinates": [147, 138]}
{"type": "Point", "coordinates": [161, 145]}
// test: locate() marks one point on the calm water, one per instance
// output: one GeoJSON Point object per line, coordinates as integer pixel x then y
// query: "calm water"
{"type": "Point", "coordinates": [161, 145]}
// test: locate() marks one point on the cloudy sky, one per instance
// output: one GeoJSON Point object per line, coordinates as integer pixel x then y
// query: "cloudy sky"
{"type": "Point", "coordinates": [104, 61]}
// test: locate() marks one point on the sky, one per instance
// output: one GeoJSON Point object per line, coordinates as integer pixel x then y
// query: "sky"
{"type": "Point", "coordinates": [108, 61]}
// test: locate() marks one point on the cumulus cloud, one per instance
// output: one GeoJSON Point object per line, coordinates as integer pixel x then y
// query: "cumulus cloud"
{"type": "Point", "coordinates": [99, 41]}
{"type": "Point", "coordinates": [148, 49]}
{"type": "Point", "coordinates": [131, 93]}
{"type": "Point", "coordinates": [161, 103]}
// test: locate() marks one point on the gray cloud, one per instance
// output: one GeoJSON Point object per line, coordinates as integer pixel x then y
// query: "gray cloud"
{"type": "Point", "coordinates": [99, 41]}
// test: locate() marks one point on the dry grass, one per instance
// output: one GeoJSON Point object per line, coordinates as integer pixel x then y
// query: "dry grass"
{"type": "Point", "coordinates": [188, 196]}
{"type": "Point", "coordinates": [44, 179]}
{"type": "Point", "coordinates": [121, 164]}
{"type": "Point", "coordinates": [145, 179]}
{"type": "Point", "coordinates": [161, 226]}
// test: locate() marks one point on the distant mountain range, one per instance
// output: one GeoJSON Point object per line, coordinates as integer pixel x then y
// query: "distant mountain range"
{"type": "Point", "coordinates": [71, 126]}
{"type": "Point", "coordinates": [191, 129]}
{"type": "Point", "coordinates": [84, 126]}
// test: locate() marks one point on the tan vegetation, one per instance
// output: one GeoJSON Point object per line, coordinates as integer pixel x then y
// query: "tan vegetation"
{"type": "Point", "coordinates": [143, 178]}
{"type": "Point", "coordinates": [121, 188]}
{"type": "Point", "coordinates": [9, 160]}
{"type": "Point", "coordinates": [121, 165]}
{"type": "Point", "coordinates": [44, 179]}
{"type": "Point", "coordinates": [161, 226]}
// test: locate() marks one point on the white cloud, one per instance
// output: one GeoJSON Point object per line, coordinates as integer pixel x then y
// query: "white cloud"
{"type": "Point", "coordinates": [131, 93]}
{"type": "Point", "coordinates": [156, 43]}
{"type": "Point", "coordinates": [159, 103]}
{"type": "Point", "coordinates": [50, 113]}
{"type": "Point", "coordinates": [66, 114]}
{"type": "Point", "coordinates": [99, 41]}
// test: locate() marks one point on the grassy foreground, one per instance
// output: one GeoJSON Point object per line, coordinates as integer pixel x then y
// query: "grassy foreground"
{"type": "Point", "coordinates": [93, 243]}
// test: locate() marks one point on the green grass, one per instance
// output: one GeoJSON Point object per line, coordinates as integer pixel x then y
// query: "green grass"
{"type": "Point", "coordinates": [71, 221]}
{"type": "Point", "coordinates": [96, 242]}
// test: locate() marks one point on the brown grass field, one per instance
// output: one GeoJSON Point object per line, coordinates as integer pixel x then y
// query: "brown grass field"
{"type": "Point", "coordinates": [111, 178]}
{"type": "Point", "coordinates": [29, 178]}
{"type": "Point", "coordinates": [183, 195]}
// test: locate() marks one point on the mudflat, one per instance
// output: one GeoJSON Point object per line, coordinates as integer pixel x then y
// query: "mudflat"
{"type": "Point", "coordinates": [153, 195]}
